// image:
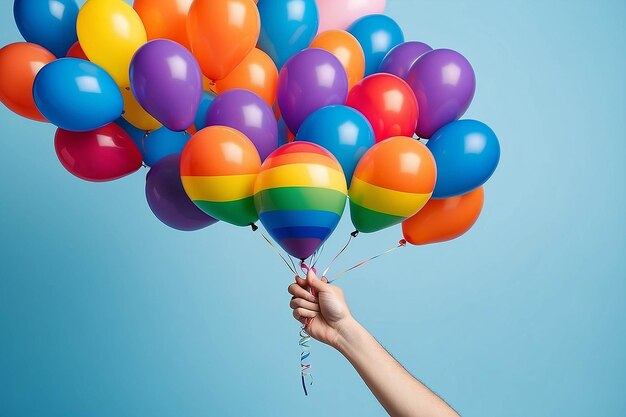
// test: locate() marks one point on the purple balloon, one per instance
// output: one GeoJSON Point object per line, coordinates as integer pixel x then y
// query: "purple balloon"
{"type": "Point", "coordinates": [167, 198]}
{"type": "Point", "coordinates": [310, 80]}
{"type": "Point", "coordinates": [402, 57]}
{"type": "Point", "coordinates": [444, 83]}
{"type": "Point", "coordinates": [167, 81]}
{"type": "Point", "coordinates": [248, 113]}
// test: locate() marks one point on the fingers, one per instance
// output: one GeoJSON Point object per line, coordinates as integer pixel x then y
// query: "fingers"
{"type": "Point", "coordinates": [298, 318]}
{"type": "Point", "coordinates": [298, 292]}
{"type": "Point", "coordinates": [303, 313]}
{"type": "Point", "coordinates": [299, 302]}
{"type": "Point", "coordinates": [301, 281]}
{"type": "Point", "coordinates": [316, 284]}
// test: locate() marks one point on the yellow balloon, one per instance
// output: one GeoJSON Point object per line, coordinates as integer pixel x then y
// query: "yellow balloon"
{"type": "Point", "coordinates": [110, 32]}
{"type": "Point", "coordinates": [135, 114]}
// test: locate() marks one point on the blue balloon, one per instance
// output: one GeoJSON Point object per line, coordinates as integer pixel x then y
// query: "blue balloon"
{"type": "Point", "coordinates": [161, 143]}
{"type": "Point", "coordinates": [343, 131]}
{"type": "Point", "coordinates": [135, 133]}
{"type": "Point", "coordinates": [467, 154]}
{"type": "Point", "coordinates": [287, 27]}
{"type": "Point", "coordinates": [378, 34]}
{"type": "Point", "coordinates": [203, 109]}
{"type": "Point", "coordinates": [77, 95]}
{"type": "Point", "coordinates": [49, 23]}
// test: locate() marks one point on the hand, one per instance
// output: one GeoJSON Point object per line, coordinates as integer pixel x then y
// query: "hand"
{"type": "Point", "coordinates": [325, 315]}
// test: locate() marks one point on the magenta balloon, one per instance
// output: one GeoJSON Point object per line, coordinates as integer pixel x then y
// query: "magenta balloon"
{"type": "Point", "coordinates": [310, 80]}
{"type": "Point", "coordinates": [167, 81]}
{"type": "Point", "coordinates": [248, 113]}
{"type": "Point", "coordinates": [402, 57]}
{"type": "Point", "coordinates": [444, 84]}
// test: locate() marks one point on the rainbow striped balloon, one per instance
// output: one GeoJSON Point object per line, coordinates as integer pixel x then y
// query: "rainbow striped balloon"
{"type": "Point", "coordinates": [218, 168]}
{"type": "Point", "coordinates": [300, 195]}
{"type": "Point", "coordinates": [391, 183]}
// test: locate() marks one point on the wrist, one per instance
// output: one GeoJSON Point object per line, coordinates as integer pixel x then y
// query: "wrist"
{"type": "Point", "coordinates": [347, 335]}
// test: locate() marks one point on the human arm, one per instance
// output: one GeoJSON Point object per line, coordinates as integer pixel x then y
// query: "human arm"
{"type": "Point", "coordinates": [328, 319]}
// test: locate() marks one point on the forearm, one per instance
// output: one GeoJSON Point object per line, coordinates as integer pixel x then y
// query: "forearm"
{"type": "Point", "coordinates": [396, 389]}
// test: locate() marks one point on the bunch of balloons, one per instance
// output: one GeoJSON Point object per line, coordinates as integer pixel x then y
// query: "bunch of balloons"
{"type": "Point", "coordinates": [270, 110]}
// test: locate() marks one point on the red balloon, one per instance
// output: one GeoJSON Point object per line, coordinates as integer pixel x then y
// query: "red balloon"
{"type": "Point", "coordinates": [76, 51]}
{"type": "Point", "coordinates": [388, 103]}
{"type": "Point", "coordinates": [104, 154]}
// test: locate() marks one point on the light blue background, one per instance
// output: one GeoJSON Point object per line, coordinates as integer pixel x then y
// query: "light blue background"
{"type": "Point", "coordinates": [105, 312]}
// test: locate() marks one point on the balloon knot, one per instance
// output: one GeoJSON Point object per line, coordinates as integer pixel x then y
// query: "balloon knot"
{"type": "Point", "coordinates": [402, 242]}
{"type": "Point", "coordinates": [355, 233]}
{"type": "Point", "coordinates": [254, 227]}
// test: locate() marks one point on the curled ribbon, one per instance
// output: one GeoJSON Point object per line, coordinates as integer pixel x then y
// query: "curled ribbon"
{"type": "Point", "coordinates": [305, 339]}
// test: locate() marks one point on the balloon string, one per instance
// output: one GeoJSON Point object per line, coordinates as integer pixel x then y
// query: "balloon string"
{"type": "Point", "coordinates": [317, 255]}
{"type": "Point", "coordinates": [401, 244]}
{"type": "Point", "coordinates": [305, 339]}
{"type": "Point", "coordinates": [269, 242]}
{"type": "Point", "coordinates": [352, 235]}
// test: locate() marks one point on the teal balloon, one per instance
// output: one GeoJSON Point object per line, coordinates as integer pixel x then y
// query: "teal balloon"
{"type": "Point", "coordinates": [343, 131]}
{"type": "Point", "coordinates": [467, 153]}
{"type": "Point", "coordinates": [283, 132]}
{"type": "Point", "coordinates": [49, 23]}
{"type": "Point", "coordinates": [77, 95]}
{"type": "Point", "coordinates": [162, 143]}
{"type": "Point", "coordinates": [203, 109]}
{"type": "Point", "coordinates": [378, 34]}
{"type": "Point", "coordinates": [287, 27]}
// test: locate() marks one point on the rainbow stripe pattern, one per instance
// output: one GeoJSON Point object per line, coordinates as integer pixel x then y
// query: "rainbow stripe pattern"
{"type": "Point", "coordinates": [218, 168]}
{"type": "Point", "coordinates": [391, 183]}
{"type": "Point", "coordinates": [300, 195]}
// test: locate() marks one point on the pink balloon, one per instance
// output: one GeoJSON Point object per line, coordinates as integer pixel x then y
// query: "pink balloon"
{"type": "Point", "coordinates": [339, 14]}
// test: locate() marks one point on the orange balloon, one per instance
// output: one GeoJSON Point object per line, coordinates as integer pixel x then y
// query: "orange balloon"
{"type": "Point", "coordinates": [222, 33]}
{"type": "Point", "coordinates": [165, 19]}
{"type": "Point", "coordinates": [19, 64]}
{"type": "Point", "coordinates": [257, 73]}
{"type": "Point", "coordinates": [446, 219]}
{"type": "Point", "coordinates": [348, 51]}
{"type": "Point", "coordinates": [76, 51]}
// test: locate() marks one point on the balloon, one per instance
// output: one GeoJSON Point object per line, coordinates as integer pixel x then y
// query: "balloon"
{"type": "Point", "coordinates": [388, 103]}
{"type": "Point", "coordinates": [256, 73]}
{"type": "Point", "coordinates": [393, 181]}
{"type": "Point", "coordinates": [287, 27]}
{"type": "Point", "coordinates": [205, 102]}
{"type": "Point", "coordinates": [402, 57]}
{"type": "Point", "coordinates": [19, 65]}
{"type": "Point", "coordinates": [165, 19]}
{"type": "Point", "coordinates": [168, 201]}
{"type": "Point", "coordinates": [110, 32]}
{"type": "Point", "coordinates": [249, 114]}
{"type": "Point", "coordinates": [300, 195]}
{"type": "Point", "coordinates": [49, 23]}
{"type": "Point", "coordinates": [467, 154]}
{"type": "Point", "coordinates": [310, 80]}
{"type": "Point", "coordinates": [77, 95]}
{"type": "Point", "coordinates": [343, 131]}
{"type": "Point", "coordinates": [162, 143]}
{"type": "Point", "coordinates": [339, 14]}
{"type": "Point", "coordinates": [284, 135]}
{"type": "Point", "coordinates": [444, 83]}
{"type": "Point", "coordinates": [222, 33]}
{"type": "Point", "coordinates": [218, 168]}
{"type": "Point", "coordinates": [347, 50]}
{"type": "Point", "coordinates": [137, 115]}
{"type": "Point", "coordinates": [377, 34]}
{"type": "Point", "coordinates": [103, 154]}
{"type": "Point", "coordinates": [167, 82]}
{"type": "Point", "coordinates": [77, 52]}
{"type": "Point", "coordinates": [442, 220]}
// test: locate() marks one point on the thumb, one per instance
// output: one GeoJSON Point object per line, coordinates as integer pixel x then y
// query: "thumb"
{"type": "Point", "coordinates": [315, 283]}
